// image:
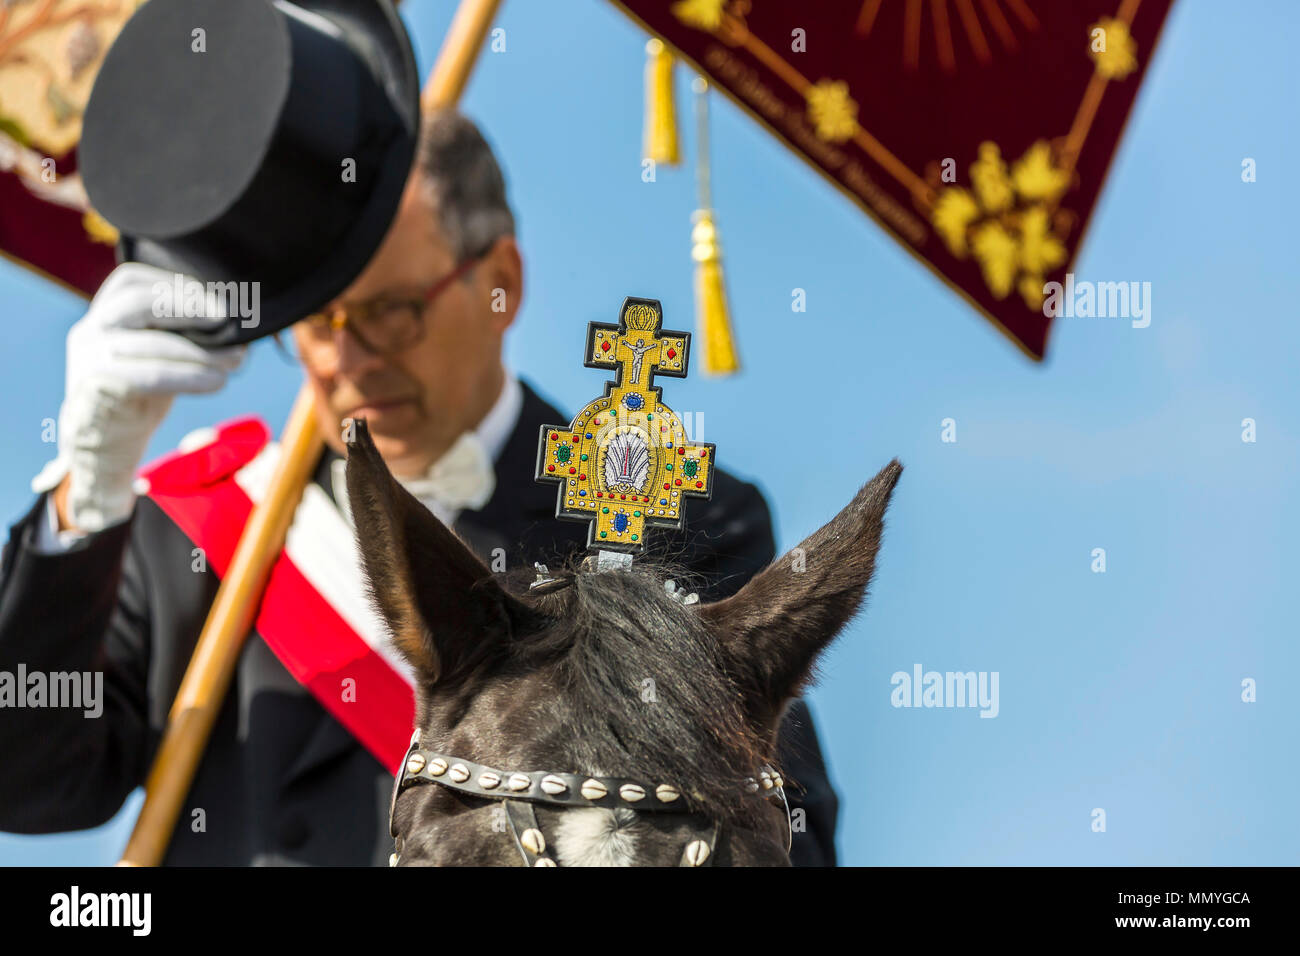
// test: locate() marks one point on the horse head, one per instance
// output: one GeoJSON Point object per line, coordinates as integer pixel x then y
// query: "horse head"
{"type": "Point", "coordinates": [598, 718]}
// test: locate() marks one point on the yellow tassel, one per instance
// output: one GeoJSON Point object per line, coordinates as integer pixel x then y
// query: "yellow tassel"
{"type": "Point", "coordinates": [712, 320]}
{"type": "Point", "coordinates": [660, 140]}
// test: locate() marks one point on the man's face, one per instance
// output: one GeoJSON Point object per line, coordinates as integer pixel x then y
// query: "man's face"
{"type": "Point", "coordinates": [417, 402]}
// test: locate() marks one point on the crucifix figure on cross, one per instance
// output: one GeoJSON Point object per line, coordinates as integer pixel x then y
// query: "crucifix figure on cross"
{"type": "Point", "coordinates": [625, 463]}
{"type": "Point", "coordinates": [638, 349]}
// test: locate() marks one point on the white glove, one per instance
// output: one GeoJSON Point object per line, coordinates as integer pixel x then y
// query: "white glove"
{"type": "Point", "coordinates": [123, 370]}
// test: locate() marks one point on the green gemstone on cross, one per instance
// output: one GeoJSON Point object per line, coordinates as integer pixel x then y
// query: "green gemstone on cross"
{"type": "Point", "coordinates": [690, 467]}
{"type": "Point", "coordinates": [563, 454]}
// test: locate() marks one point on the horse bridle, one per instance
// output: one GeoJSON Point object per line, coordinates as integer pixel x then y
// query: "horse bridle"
{"type": "Point", "coordinates": [518, 791]}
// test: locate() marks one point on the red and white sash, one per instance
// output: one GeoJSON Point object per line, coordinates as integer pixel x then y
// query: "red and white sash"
{"type": "Point", "coordinates": [315, 614]}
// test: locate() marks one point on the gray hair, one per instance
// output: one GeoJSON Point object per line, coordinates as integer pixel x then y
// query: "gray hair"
{"type": "Point", "coordinates": [464, 183]}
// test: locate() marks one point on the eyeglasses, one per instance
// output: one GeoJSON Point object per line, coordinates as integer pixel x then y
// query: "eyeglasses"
{"type": "Point", "coordinates": [386, 324]}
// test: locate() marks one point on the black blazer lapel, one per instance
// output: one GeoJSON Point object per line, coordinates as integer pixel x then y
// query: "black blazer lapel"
{"type": "Point", "coordinates": [520, 515]}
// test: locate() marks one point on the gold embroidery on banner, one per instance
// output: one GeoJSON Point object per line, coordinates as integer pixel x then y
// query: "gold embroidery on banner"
{"type": "Point", "coordinates": [1118, 58]}
{"type": "Point", "coordinates": [1008, 222]}
{"type": "Point", "coordinates": [700, 14]}
{"type": "Point", "coordinates": [47, 51]}
{"type": "Point", "coordinates": [50, 51]}
{"type": "Point", "coordinates": [833, 112]}
{"type": "Point", "coordinates": [1030, 237]}
{"type": "Point", "coordinates": [100, 229]}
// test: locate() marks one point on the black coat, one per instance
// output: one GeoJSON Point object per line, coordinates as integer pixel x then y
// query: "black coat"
{"type": "Point", "coordinates": [281, 781]}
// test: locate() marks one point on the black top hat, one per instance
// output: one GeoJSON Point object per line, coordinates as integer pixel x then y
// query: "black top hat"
{"type": "Point", "coordinates": [223, 154]}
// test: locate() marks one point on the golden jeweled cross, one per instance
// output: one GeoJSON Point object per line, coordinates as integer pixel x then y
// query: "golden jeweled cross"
{"type": "Point", "coordinates": [625, 463]}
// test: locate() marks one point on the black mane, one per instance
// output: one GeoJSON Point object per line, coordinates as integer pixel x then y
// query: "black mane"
{"type": "Point", "coordinates": [618, 631]}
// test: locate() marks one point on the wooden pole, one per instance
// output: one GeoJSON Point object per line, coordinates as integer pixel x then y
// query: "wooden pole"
{"type": "Point", "coordinates": [460, 49]}
{"type": "Point", "coordinates": [208, 677]}
{"type": "Point", "coordinates": [206, 680]}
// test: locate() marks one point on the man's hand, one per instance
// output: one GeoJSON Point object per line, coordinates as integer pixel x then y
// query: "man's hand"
{"type": "Point", "coordinates": [125, 364]}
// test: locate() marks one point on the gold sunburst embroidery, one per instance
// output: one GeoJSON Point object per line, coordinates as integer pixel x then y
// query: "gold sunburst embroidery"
{"type": "Point", "coordinates": [947, 23]}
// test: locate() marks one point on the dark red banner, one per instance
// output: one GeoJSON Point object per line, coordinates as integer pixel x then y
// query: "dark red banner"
{"type": "Point", "coordinates": [49, 54]}
{"type": "Point", "coordinates": [52, 238]}
{"type": "Point", "coordinates": [978, 132]}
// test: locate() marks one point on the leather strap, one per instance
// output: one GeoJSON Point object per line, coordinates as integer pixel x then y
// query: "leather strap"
{"type": "Point", "coordinates": [789, 824]}
{"type": "Point", "coordinates": [540, 786]}
{"type": "Point", "coordinates": [519, 790]}
{"type": "Point", "coordinates": [527, 833]}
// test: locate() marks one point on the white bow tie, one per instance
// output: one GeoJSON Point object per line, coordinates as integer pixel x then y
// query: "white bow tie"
{"type": "Point", "coordinates": [462, 478]}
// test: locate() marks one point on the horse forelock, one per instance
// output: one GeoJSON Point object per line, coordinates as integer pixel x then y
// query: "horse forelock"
{"type": "Point", "coordinates": [643, 689]}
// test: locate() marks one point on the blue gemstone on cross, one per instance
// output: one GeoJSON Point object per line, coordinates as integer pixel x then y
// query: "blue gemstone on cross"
{"type": "Point", "coordinates": [620, 522]}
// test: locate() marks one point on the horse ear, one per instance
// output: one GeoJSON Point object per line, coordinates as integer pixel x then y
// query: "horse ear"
{"type": "Point", "coordinates": [441, 603]}
{"type": "Point", "coordinates": [775, 627]}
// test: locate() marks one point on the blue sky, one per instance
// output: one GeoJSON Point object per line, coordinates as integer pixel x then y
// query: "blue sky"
{"type": "Point", "coordinates": [1120, 690]}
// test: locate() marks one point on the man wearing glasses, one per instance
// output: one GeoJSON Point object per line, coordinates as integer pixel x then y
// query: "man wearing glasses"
{"type": "Point", "coordinates": [98, 575]}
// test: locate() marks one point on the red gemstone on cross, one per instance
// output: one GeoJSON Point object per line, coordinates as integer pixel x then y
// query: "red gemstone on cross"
{"type": "Point", "coordinates": [672, 353]}
{"type": "Point", "coordinates": [681, 451]}
{"type": "Point", "coordinates": [677, 482]}
{"type": "Point", "coordinates": [550, 467]}
{"type": "Point", "coordinates": [573, 471]}
{"type": "Point", "coordinates": [554, 435]}
{"type": "Point", "coordinates": [604, 346]}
